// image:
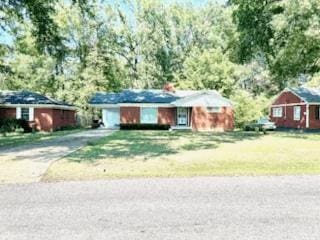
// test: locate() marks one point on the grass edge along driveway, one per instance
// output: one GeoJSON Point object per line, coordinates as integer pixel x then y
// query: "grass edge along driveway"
{"type": "Point", "coordinates": [130, 154]}
{"type": "Point", "coordinates": [17, 139]}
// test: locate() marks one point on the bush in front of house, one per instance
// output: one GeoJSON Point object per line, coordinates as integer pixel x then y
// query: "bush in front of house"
{"type": "Point", "coordinates": [14, 125]}
{"type": "Point", "coordinates": [138, 126]}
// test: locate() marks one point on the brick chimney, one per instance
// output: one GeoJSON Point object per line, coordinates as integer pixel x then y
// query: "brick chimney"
{"type": "Point", "coordinates": [169, 87]}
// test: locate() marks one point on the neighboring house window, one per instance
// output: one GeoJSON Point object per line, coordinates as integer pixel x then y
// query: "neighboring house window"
{"type": "Point", "coordinates": [296, 113]}
{"type": "Point", "coordinates": [213, 109]}
{"type": "Point", "coordinates": [25, 114]}
{"type": "Point", "coordinates": [149, 115]}
{"type": "Point", "coordinates": [317, 112]}
{"type": "Point", "coordinates": [277, 112]}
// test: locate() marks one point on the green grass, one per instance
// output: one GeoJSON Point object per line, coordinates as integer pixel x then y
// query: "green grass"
{"type": "Point", "coordinates": [15, 139]}
{"type": "Point", "coordinates": [128, 154]}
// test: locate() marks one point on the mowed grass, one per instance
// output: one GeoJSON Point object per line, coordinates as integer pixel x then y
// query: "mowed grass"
{"type": "Point", "coordinates": [15, 139]}
{"type": "Point", "coordinates": [127, 154]}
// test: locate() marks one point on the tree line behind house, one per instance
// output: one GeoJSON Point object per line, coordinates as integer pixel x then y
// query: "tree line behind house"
{"type": "Point", "coordinates": [247, 50]}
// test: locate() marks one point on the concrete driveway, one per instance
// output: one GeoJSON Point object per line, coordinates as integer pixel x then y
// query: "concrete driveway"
{"type": "Point", "coordinates": [28, 162]}
{"type": "Point", "coordinates": [238, 208]}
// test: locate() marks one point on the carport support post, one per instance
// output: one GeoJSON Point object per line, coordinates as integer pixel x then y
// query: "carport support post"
{"type": "Point", "coordinates": [307, 116]}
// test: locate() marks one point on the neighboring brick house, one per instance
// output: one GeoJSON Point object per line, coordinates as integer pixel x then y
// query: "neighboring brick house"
{"type": "Point", "coordinates": [45, 113]}
{"type": "Point", "coordinates": [197, 110]}
{"type": "Point", "coordinates": [297, 108]}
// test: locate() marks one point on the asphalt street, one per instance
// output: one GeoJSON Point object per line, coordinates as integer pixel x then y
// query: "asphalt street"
{"type": "Point", "coordinates": [177, 208]}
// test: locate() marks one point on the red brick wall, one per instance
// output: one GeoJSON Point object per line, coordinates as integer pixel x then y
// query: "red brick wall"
{"type": "Point", "coordinates": [167, 116]}
{"type": "Point", "coordinates": [130, 114]}
{"type": "Point", "coordinates": [43, 119]}
{"type": "Point", "coordinates": [7, 113]}
{"type": "Point", "coordinates": [287, 97]}
{"type": "Point", "coordinates": [63, 118]}
{"type": "Point", "coordinates": [203, 120]}
{"type": "Point", "coordinates": [287, 111]}
{"type": "Point", "coordinates": [287, 120]}
{"type": "Point", "coordinates": [314, 123]}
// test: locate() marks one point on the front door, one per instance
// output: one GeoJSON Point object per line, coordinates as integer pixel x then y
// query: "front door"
{"type": "Point", "coordinates": [111, 117]}
{"type": "Point", "coordinates": [182, 116]}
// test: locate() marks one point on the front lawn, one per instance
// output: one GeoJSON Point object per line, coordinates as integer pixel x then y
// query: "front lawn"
{"type": "Point", "coordinates": [15, 139]}
{"type": "Point", "coordinates": [168, 154]}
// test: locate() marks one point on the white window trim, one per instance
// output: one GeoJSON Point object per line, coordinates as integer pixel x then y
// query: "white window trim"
{"type": "Point", "coordinates": [214, 109]}
{"type": "Point", "coordinates": [277, 112]}
{"type": "Point", "coordinates": [31, 114]}
{"type": "Point", "coordinates": [141, 115]}
{"type": "Point", "coordinates": [18, 113]}
{"type": "Point", "coordinates": [295, 115]}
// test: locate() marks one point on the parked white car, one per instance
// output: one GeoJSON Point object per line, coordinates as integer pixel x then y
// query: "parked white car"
{"type": "Point", "coordinates": [261, 124]}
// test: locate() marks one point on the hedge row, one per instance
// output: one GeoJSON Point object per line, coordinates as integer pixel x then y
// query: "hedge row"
{"type": "Point", "coordinates": [139, 126]}
{"type": "Point", "coordinates": [14, 125]}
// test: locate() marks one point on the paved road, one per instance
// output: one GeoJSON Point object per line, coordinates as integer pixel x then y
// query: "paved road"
{"type": "Point", "coordinates": [30, 161]}
{"type": "Point", "coordinates": [195, 208]}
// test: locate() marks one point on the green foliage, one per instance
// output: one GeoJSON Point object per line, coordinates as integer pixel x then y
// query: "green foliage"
{"type": "Point", "coordinates": [253, 20]}
{"type": "Point", "coordinates": [14, 125]}
{"type": "Point", "coordinates": [209, 70]}
{"type": "Point", "coordinates": [315, 81]}
{"type": "Point", "coordinates": [285, 32]}
{"type": "Point", "coordinates": [71, 49]}
{"type": "Point", "coordinates": [249, 108]}
{"type": "Point", "coordinates": [297, 41]}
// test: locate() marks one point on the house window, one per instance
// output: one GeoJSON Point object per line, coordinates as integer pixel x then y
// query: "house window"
{"type": "Point", "coordinates": [25, 114]}
{"type": "Point", "coordinates": [277, 112]}
{"type": "Point", "coordinates": [149, 115]}
{"type": "Point", "coordinates": [296, 113]}
{"type": "Point", "coordinates": [317, 113]}
{"type": "Point", "coordinates": [213, 109]}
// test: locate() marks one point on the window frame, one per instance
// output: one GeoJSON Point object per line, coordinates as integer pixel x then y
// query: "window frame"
{"type": "Point", "coordinates": [155, 120]}
{"type": "Point", "coordinates": [25, 111]}
{"type": "Point", "coordinates": [295, 118]}
{"type": "Point", "coordinates": [277, 112]}
{"type": "Point", "coordinates": [317, 112]}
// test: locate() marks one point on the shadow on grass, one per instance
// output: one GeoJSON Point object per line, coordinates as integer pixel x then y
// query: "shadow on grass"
{"type": "Point", "coordinates": [150, 144]}
{"type": "Point", "coordinates": [299, 134]}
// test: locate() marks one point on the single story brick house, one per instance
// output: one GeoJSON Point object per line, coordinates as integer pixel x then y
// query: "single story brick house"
{"type": "Point", "coordinates": [196, 110]}
{"type": "Point", "coordinates": [45, 113]}
{"type": "Point", "coordinates": [297, 108]}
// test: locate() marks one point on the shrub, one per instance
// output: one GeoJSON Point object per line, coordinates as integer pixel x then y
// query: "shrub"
{"type": "Point", "coordinates": [138, 126]}
{"type": "Point", "coordinates": [14, 125]}
{"type": "Point", "coordinates": [249, 108]}
{"type": "Point", "coordinates": [67, 128]}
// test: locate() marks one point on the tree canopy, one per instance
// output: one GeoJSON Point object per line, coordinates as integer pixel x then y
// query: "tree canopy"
{"type": "Point", "coordinates": [70, 49]}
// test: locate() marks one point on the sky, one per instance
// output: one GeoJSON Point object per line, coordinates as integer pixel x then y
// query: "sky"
{"type": "Point", "coordinates": [6, 39]}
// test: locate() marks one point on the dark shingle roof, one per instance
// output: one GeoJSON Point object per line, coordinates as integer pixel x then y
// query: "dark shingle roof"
{"type": "Point", "coordinates": [133, 96]}
{"type": "Point", "coordinates": [27, 97]}
{"type": "Point", "coordinates": [311, 95]}
{"type": "Point", "coordinates": [160, 96]}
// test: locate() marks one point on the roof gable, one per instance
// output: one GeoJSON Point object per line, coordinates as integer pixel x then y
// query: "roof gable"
{"type": "Point", "coordinates": [203, 99]}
